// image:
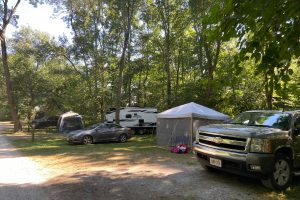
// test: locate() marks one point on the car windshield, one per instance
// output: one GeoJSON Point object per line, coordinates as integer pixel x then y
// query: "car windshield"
{"type": "Point", "coordinates": [266, 119]}
{"type": "Point", "coordinates": [94, 126]}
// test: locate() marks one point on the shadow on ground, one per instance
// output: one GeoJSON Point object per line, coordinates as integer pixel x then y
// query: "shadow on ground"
{"type": "Point", "coordinates": [189, 184]}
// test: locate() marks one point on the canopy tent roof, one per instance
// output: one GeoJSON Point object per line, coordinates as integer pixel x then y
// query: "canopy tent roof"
{"type": "Point", "coordinates": [192, 110]}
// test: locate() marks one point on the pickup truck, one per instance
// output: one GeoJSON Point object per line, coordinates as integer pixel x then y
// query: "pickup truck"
{"type": "Point", "coordinates": [259, 143]}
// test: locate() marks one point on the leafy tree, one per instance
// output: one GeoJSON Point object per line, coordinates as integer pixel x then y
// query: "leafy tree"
{"type": "Point", "coordinates": [237, 88]}
{"type": "Point", "coordinates": [126, 11]}
{"type": "Point", "coordinates": [32, 52]}
{"type": "Point", "coordinates": [230, 55]}
{"type": "Point", "coordinates": [268, 32]}
{"type": "Point", "coordinates": [208, 42]}
{"type": "Point", "coordinates": [91, 47]}
{"type": "Point", "coordinates": [8, 16]}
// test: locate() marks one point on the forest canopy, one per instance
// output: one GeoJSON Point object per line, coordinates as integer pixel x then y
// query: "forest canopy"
{"type": "Point", "coordinates": [231, 55]}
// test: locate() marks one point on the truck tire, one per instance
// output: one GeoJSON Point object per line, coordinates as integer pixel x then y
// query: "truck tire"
{"type": "Point", "coordinates": [281, 175]}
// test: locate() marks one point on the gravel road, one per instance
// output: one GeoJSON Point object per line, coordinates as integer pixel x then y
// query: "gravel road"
{"type": "Point", "coordinates": [22, 178]}
{"type": "Point", "coordinates": [19, 176]}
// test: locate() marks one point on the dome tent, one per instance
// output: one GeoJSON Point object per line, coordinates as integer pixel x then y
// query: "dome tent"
{"type": "Point", "coordinates": [178, 125]}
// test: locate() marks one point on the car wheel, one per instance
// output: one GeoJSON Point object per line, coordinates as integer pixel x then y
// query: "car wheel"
{"type": "Point", "coordinates": [87, 139]}
{"type": "Point", "coordinates": [123, 138]}
{"type": "Point", "coordinates": [281, 176]}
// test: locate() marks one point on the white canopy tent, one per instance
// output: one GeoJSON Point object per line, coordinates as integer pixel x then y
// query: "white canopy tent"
{"type": "Point", "coordinates": [177, 124]}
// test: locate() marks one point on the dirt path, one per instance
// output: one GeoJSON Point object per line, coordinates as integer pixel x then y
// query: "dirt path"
{"type": "Point", "coordinates": [113, 178]}
{"type": "Point", "coordinates": [19, 176]}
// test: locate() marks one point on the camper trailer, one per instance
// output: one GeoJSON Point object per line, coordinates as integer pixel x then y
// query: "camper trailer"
{"type": "Point", "coordinates": [136, 118]}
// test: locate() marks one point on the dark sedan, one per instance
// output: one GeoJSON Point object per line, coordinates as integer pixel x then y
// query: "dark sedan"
{"type": "Point", "coordinates": [44, 122]}
{"type": "Point", "coordinates": [100, 133]}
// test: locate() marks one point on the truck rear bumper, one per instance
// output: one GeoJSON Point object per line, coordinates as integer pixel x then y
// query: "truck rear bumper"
{"type": "Point", "coordinates": [247, 164]}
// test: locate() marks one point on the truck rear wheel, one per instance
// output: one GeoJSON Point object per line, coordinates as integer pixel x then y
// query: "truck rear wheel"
{"type": "Point", "coordinates": [281, 176]}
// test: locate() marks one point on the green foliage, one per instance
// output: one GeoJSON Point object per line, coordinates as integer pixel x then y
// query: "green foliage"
{"type": "Point", "coordinates": [4, 112]}
{"type": "Point", "coordinates": [232, 56]}
{"type": "Point", "coordinates": [267, 31]}
{"type": "Point", "coordinates": [42, 77]}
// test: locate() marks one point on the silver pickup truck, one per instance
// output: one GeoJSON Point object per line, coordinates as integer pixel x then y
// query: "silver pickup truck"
{"type": "Point", "coordinates": [260, 144]}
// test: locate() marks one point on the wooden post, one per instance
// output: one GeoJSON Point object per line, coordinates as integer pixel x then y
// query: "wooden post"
{"type": "Point", "coordinates": [32, 134]}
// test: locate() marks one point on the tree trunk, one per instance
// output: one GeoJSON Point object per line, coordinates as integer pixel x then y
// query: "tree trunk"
{"type": "Point", "coordinates": [9, 90]}
{"type": "Point", "coordinates": [179, 63]}
{"type": "Point", "coordinates": [6, 18]}
{"type": "Point", "coordinates": [122, 61]}
{"type": "Point", "coordinates": [120, 82]}
{"type": "Point", "coordinates": [212, 64]}
{"type": "Point", "coordinates": [168, 71]}
{"type": "Point", "coordinates": [269, 91]}
{"type": "Point", "coordinates": [144, 82]}
{"type": "Point", "coordinates": [129, 82]}
{"type": "Point", "coordinates": [164, 12]}
{"type": "Point", "coordinates": [168, 55]}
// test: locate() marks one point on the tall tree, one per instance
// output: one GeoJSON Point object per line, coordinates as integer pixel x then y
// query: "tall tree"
{"type": "Point", "coordinates": [127, 11]}
{"type": "Point", "coordinates": [91, 47]}
{"type": "Point", "coordinates": [207, 45]}
{"type": "Point", "coordinates": [8, 16]}
{"type": "Point", "coordinates": [31, 52]}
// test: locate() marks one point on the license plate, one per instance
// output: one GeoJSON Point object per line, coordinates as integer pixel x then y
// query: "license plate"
{"type": "Point", "coordinates": [215, 162]}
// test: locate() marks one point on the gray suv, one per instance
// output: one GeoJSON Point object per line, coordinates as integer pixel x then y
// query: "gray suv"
{"type": "Point", "coordinates": [261, 144]}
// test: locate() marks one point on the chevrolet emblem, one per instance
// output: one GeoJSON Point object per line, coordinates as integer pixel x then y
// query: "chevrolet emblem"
{"type": "Point", "coordinates": [217, 140]}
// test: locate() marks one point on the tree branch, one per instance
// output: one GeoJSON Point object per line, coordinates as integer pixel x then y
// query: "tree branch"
{"type": "Point", "coordinates": [13, 11]}
{"type": "Point", "coordinates": [7, 16]}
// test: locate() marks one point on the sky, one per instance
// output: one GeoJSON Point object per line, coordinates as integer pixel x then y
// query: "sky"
{"type": "Point", "coordinates": [40, 18]}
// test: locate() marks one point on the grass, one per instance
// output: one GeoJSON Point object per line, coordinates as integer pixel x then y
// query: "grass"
{"type": "Point", "coordinates": [49, 143]}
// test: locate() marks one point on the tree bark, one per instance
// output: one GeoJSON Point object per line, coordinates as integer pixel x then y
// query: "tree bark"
{"type": "Point", "coordinates": [168, 71]}
{"type": "Point", "coordinates": [212, 64]}
{"type": "Point", "coordinates": [164, 11]}
{"type": "Point", "coordinates": [9, 90]}
{"type": "Point", "coordinates": [120, 78]}
{"type": "Point", "coordinates": [129, 12]}
{"type": "Point", "coordinates": [269, 91]}
{"type": "Point", "coordinates": [6, 18]}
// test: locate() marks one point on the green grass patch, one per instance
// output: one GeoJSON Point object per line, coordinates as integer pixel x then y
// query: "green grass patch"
{"type": "Point", "coordinates": [47, 144]}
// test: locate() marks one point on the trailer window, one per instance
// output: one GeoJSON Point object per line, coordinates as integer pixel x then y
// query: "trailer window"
{"type": "Point", "coordinates": [128, 116]}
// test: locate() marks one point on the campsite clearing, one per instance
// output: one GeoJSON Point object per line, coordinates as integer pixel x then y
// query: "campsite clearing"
{"type": "Point", "coordinates": [133, 170]}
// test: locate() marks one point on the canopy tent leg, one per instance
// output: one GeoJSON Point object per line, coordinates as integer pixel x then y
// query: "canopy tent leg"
{"type": "Point", "coordinates": [192, 132]}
